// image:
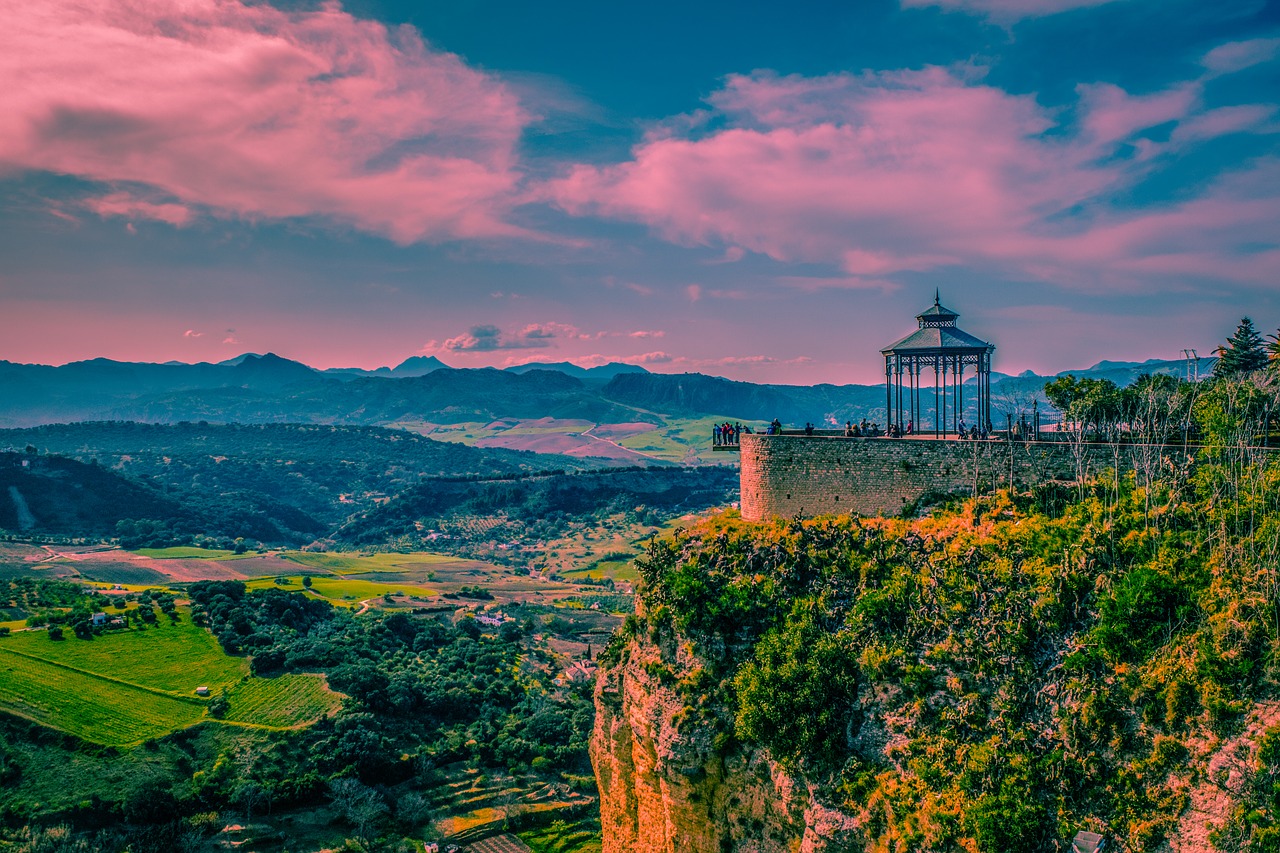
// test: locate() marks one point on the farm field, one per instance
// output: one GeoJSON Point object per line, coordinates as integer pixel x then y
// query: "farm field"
{"type": "Point", "coordinates": [568, 437]}
{"type": "Point", "coordinates": [171, 658]}
{"type": "Point", "coordinates": [124, 687]}
{"type": "Point", "coordinates": [285, 701]}
{"type": "Point", "coordinates": [189, 553]}
{"type": "Point", "coordinates": [90, 707]}
{"type": "Point", "coordinates": [357, 564]}
{"type": "Point", "coordinates": [343, 591]}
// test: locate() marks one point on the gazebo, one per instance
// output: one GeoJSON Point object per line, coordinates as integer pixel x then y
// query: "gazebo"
{"type": "Point", "coordinates": [938, 344]}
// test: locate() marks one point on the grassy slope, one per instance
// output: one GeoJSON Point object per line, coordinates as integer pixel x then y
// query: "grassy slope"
{"type": "Point", "coordinates": [125, 687]}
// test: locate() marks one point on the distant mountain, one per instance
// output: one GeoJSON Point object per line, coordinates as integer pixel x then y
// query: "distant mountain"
{"type": "Point", "coordinates": [693, 394]}
{"type": "Point", "coordinates": [266, 388]}
{"type": "Point", "coordinates": [418, 365]}
{"type": "Point", "coordinates": [602, 372]}
{"type": "Point", "coordinates": [1018, 392]}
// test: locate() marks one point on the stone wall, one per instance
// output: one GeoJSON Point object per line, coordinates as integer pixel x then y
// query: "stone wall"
{"type": "Point", "coordinates": [788, 475]}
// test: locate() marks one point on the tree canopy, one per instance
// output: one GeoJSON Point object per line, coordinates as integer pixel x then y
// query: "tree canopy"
{"type": "Point", "coordinates": [1243, 352]}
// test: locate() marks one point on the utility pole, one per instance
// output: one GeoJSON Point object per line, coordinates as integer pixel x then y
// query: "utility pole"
{"type": "Point", "coordinates": [1193, 365]}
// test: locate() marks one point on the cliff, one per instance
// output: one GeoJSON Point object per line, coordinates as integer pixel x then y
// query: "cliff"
{"type": "Point", "coordinates": [989, 679]}
{"type": "Point", "coordinates": [671, 782]}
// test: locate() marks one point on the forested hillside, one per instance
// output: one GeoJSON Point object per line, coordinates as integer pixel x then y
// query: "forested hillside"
{"type": "Point", "coordinates": [536, 507]}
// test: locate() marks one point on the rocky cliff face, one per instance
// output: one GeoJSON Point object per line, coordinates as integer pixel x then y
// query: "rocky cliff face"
{"type": "Point", "coordinates": [671, 781]}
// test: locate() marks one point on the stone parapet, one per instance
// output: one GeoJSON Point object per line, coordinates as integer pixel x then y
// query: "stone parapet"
{"type": "Point", "coordinates": [788, 475]}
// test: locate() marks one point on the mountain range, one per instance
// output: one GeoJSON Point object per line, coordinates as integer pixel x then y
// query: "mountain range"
{"type": "Point", "coordinates": [254, 388]}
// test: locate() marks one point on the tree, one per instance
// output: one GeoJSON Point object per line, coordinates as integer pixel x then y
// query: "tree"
{"type": "Point", "coordinates": [1273, 350]}
{"type": "Point", "coordinates": [358, 803]}
{"type": "Point", "coordinates": [1242, 353]}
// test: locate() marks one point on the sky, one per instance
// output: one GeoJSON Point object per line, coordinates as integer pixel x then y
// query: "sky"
{"type": "Point", "coordinates": [764, 191]}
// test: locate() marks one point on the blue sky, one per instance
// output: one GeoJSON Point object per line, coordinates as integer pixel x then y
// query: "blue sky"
{"type": "Point", "coordinates": [741, 189]}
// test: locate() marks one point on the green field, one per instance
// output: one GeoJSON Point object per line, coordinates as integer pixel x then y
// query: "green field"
{"type": "Point", "coordinates": [342, 591]}
{"type": "Point", "coordinates": [687, 440]}
{"type": "Point", "coordinates": [618, 570]}
{"type": "Point", "coordinates": [188, 553]}
{"type": "Point", "coordinates": [124, 687]}
{"type": "Point", "coordinates": [87, 706]}
{"type": "Point", "coordinates": [285, 701]}
{"type": "Point", "coordinates": [357, 564]}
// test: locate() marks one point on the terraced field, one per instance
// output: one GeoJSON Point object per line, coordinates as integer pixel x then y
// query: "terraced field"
{"type": "Point", "coordinates": [565, 837]}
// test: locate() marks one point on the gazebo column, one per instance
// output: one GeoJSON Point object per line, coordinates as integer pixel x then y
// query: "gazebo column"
{"type": "Point", "coordinates": [937, 405]}
{"type": "Point", "coordinates": [888, 385]}
{"type": "Point", "coordinates": [898, 383]}
{"type": "Point", "coordinates": [945, 391]}
{"type": "Point", "coordinates": [915, 393]}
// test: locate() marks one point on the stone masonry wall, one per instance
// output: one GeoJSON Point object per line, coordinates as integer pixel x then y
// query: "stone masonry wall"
{"type": "Point", "coordinates": [788, 475]}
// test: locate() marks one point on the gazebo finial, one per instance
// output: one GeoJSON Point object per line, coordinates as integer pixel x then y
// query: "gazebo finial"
{"type": "Point", "coordinates": [937, 296]}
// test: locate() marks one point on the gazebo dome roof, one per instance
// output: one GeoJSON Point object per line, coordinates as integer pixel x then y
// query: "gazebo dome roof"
{"type": "Point", "coordinates": [937, 332]}
{"type": "Point", "coordinates": [937, 313]}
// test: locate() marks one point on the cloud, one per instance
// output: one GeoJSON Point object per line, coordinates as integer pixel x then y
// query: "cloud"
{"type": "Point", "coordinates": [646, 333]}
{"type": "Point", "coordinates": [192, 333]}
{"type": "Point", "coordinates": [130, 206]}
{"type": "Point", "coordinates": [1008, 10]}
{"type": "Point", "coordinates": [490, 338]}
{"type": "Point", "coordinates": [245, 110]}
{"type": "Point", "coordinates": [1239, 55]}
{"type": "Point", "coordinates": [844, 282]}
{"type": "Point", "coordinates": [882, 175]}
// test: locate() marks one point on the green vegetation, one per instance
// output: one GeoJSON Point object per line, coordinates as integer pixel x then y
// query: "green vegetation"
{"type": "Point", "coordinates": [1035, 662]}
{"type": "Point", "coordinates": [187, 553]}
{"type": "Point", "coordinates": [355, 564]}
{"type": "Point", "coordinates": [1243, 353]}
{"type": "Point", "coordinates": [285, 701]}
{"type": "Point", "coordinates": [103, 711]}
{"type": "Point", "coordinates": [125, 686]}
{"type": "Point", "coordinates": [342, 590]}
{"type": "Point", "coordinates": [173, 658]}
{"type": "Point", "coordinates": [565, 837]}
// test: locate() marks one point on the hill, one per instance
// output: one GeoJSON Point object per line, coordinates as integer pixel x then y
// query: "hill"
{"type": "Point", "coordinates": [272, 483]}
{"type": "Point", "coordinates": [269, 389]}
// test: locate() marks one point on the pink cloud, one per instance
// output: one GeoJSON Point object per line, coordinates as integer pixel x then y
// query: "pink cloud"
{"type": "Point", "coordinates": [192, 333]}
{"type": "Point", "coordinates": [1238, 55]}
{"type": "Point", "coordinates": [250, 111]}
{"type": "Point", "coordinates": [658, 357]}
{"type": "Point", "coordinates": [130, 206]}
{"type": "Point", "coordinates": [1008, 10]}
{"type": "Point", "coordinates": [891, 173]}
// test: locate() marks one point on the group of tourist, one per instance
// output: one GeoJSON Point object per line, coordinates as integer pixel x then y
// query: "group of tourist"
{"type": "Point", "coordinates": [727, 434]}
{"type": "Point", "coordinates": [865, 429]}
